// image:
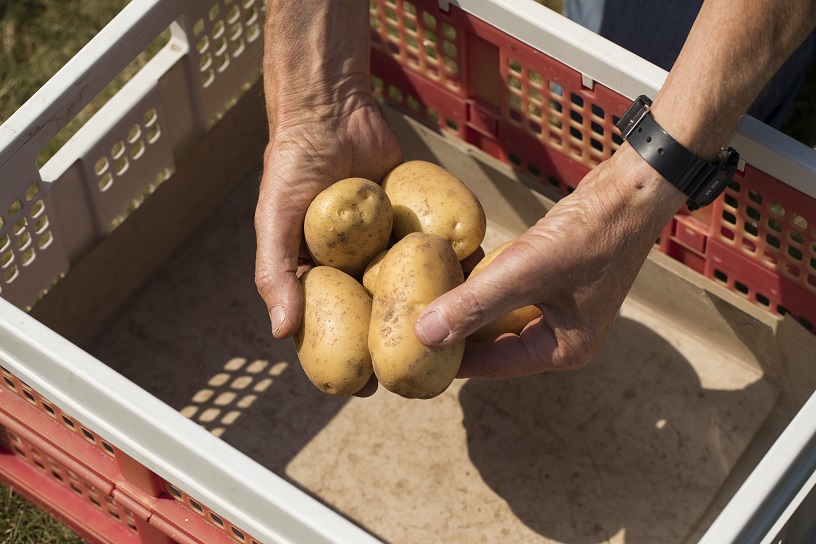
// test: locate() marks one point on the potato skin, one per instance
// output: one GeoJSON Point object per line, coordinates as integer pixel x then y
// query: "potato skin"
{"type": "Point", "coordinates": [347, 224]}
{"type": "Point", "coordinates": [416, 270]}
{"type": "Point", "coordinates": [332, 341]}
{"type": "Point", "coordinates": [427, 198]}
{"type": "Point", "coordinates": [371, 272]}
{"type": "Point", "coordinates": [513, 321]}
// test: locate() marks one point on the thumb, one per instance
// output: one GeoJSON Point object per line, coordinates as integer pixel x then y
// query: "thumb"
{"type": "Point", "coordinates": [465, 309]}
{"type": "Point", "coordinates": [278, 236]}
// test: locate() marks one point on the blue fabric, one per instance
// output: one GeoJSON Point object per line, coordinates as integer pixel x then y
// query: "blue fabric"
{"type": "Point", "coordinates": [656, 31]}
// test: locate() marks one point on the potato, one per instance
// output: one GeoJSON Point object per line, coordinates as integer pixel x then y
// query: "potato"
{"type": "Point", "coordinates": [347, 224]}
{"type": "Point", "coordinates": [513, 321]}
{"type": "Point", "coordinates": [372, 270]}
{"type": "Point", "coordinates": [415, 271]}
{"type": "Point", "coordinates": [427, 198]}
{"type": "Point", "coordinates": [332, 341]}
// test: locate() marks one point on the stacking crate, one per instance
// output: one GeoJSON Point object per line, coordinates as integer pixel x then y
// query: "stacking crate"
{"type": "Point", "coordinates": [509, 96]}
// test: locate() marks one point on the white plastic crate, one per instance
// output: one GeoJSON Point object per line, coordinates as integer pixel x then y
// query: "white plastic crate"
{"type": "Point", "coordinates": [58, 219]}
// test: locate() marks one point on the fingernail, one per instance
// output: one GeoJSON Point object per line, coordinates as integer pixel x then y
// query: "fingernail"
{"type": "Point", "coordinates": [432, 328]}
{"type": "Point", "coordinates": [278, 316]}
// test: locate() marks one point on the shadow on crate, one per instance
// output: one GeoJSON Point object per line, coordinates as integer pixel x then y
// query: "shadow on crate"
{"type": "Point", "coordinates": [632, 445]}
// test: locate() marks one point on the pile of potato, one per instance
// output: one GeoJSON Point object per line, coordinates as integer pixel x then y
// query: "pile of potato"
{"type": "Point", "coordinates": [383, 253]}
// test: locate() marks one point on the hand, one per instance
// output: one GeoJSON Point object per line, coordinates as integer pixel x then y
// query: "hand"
{"type": "Point", "coordinates": [323, 126]}
{"type": "Point", "coordinates": [576, 264]}
{"type": "Point", "coordinates": [301, 161]}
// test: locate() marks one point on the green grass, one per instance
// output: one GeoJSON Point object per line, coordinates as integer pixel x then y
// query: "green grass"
{"type": "Point", "coordinates": [22, 523]}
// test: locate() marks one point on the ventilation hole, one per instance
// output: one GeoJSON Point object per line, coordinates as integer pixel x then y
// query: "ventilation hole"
{"type": "Point", "coordinates": [731, 201]}
{"type": "Point", "coordinates": [598, 111]}
{"type": "Point", "coordinates": [174, 491]}
{"type": "Point", "coordinates": [36, 209]}
{"type": "Point", "coordinates": [428, 20]}
{"type": "Point", "coordinates": [118, 149]}
{"type": "Point", "coordinates": [10, 383]}
{"type": "Point", "coordinates": [95, 501]}
{"type": "Point", "coordinates": [762, 299]}
{"type": "Point", "coordinates": [238, 534]}
{"type": "Point", "coordinates": [752, 213]}
{"type": "Point", "coordinates": [449, 31]}
{"type": "Point", "coordinates": [105, 183]}
{"type": "Point", "coordinates": [217, 520]}
{"type": "Point", "coordinates": [214, 11]}
{"type": "Point", "coordinates": [45, 240]}
{"type": "Point", "coordinates": [534, 170]}
{"type": "Point", "coordinates": [514, 159]}
{"type": "Point", "coordinates": [775, 224]}
{"type": "Point", "coordinates": [797, 237]}
{"type": "Point", "coordinates": [196, 506]}
{"type": "Point", "coordinates": [56, 475]}
{"type": "Point", "coordinates": [795, 253]}
{"type": "Point", "coordinates": [68, 422]}
{"type": "Point", "coordinates": [137, 150]}
{"type": "Point", "coordinates": [721, 276]}
{"type": "Point", "coordinates": [734, 186]}
{"type": "Point", "coordinates": [15, 208]}
{"type": "Point", "coordinates": [89, 435]}
{"type": "Point", "coordinates": [108, 448]}
{"type": "Point", "coordinates": [773, 241]}
{"type": "Point", "coordinates": [754, 196]}
{"type": "Point", "coordinates": [799, 221]}
{"type": "Point", "coordinates": [49, 409]}
{"type": "Point", "coordinates": [5, 241]}
{"type": "Point", "coordinates": [556, 89]}
{"type": "Point", "coordinates": [134, 133]}
{"type": "Point", "coordinates": [11, 274]}
{"type": "Point", "coordinates": [20, 226]}
{"type": "Point", "coordinates": [76, 489]}
{"type": "Point", "coordinates": [32, 191]}
{"type": "Point", "coordinates": [741, 287]}
{"type": "Point", "coordinates": [805, 323]}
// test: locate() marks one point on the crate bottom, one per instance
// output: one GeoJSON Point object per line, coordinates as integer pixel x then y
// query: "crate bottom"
{"type": "Point", "coordinates": [632, 448]}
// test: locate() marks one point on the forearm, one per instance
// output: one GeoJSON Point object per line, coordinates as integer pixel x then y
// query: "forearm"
{"type": "Point", "coordinates": [316, 56]}
{"type": "Point", "coordinates": [732, 51]}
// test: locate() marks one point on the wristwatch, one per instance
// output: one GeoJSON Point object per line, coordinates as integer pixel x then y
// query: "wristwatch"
{"type": "Point", "coordinates": [700, 180]}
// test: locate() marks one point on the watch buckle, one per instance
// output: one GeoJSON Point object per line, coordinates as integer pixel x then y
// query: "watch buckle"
{"type": "Point", "coordinates": [633, 116]}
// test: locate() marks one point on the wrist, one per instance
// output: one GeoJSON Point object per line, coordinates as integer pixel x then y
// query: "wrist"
{"type": "Point", "coordinates": [316, 58]}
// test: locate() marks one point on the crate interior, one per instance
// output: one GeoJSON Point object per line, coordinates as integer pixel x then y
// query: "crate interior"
{"type": "Point", "coordinates": [645, 444]}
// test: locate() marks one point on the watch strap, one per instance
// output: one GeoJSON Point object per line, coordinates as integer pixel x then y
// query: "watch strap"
{"type": "Point", "coordinates": [700, 180]}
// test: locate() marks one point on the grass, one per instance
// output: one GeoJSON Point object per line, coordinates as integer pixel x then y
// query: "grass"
{"type": "Point", "coordinates": [22, 523]}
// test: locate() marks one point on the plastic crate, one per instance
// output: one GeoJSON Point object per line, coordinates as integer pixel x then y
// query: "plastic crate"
{"type": "Point", "coordinates": [555, 119]}
{"type": "Point", "coordinates": [517, 94]}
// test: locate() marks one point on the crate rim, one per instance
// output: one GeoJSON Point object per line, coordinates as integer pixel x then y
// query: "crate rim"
{"type": "Point", "coordinates": [602, 61]}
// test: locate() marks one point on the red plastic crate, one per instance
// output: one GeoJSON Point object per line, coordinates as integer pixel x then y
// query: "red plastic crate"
{"type": "Point", "coordinates": [101, 493]}
{"type": "Point", "coordinates": [520, 105]}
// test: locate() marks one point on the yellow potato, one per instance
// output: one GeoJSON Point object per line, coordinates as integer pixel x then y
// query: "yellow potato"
{"type": "Point", "coordinates": [414, 272]}
{"type": "Point", "coordinates": [427, 198]}
{"type": "Point", "coordinates": [513, 321]}
{"type": "Point", "coordinates": [332, 342]}
{"type": "Point", "coordinates": [371, 272]}
{"type": "Point", "coordinates": [347, 224]}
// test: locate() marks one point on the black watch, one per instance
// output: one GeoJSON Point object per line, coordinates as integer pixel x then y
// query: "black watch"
{"type": "Point", "coordinates": [700, 180]}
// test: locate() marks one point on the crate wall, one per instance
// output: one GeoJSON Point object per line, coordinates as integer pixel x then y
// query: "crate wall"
{"type": "Point", "coordinates": [520, 105]}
